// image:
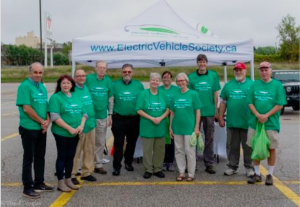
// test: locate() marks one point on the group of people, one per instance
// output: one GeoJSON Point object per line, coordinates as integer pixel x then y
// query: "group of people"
{"type": "Point", "coordinates": [164, 116]}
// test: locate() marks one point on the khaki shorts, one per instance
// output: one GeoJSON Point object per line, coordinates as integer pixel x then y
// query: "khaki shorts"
{"type": "Point", "coordinates": [272, 135]}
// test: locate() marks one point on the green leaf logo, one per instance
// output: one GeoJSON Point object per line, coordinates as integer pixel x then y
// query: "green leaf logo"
{"type": "Point", "coordinates": [204, 29]}
{"type": "Point", "coordinates": [157, 29]}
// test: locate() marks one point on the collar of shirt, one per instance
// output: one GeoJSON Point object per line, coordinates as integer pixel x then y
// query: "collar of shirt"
{"type": "Point", "coordinates": [202, 74]}
{"type": "Point", "coordinates": [242, 81]}
{"type": "Point", "coordinates": [126, 83]}
{"type": "Point", "coordinates": [35, 83]}
{"type": "Point", "coordinates": [100, 79]}
{"type": "Point", "coordinates": [78, 86]}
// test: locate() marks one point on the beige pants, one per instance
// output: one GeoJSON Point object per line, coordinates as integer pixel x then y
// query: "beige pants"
{"type": "Point", "coordinates": [185, 152]}
{"type": "Point", "coordinates": [86, 145]}
{"type": "Point", "coordinates": [101, 128]}
{"type": "Point", "coordinates": [153, 154]}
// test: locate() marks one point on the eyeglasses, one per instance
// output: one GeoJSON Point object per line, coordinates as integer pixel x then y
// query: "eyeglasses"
{"type": "Point", "coordinates": [101, 68]}
{"type": "Point", "coordinates": [36, 72]}
{"type": "Point", "coordinates": [179, 81]}
{"type": "Point", "coordinates": [167, 77]}
{"type": "Point", "coordinates": [80, 76]}
{"type": "Point", "coordinates": [126, 72]}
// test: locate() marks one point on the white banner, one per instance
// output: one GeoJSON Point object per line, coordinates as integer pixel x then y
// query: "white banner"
{"type": "Point", "coordinates": [48, 23]}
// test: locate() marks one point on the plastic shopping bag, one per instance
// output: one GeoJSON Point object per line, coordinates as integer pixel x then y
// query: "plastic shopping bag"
{"type": "Point", "coordinates": [260, 143]}
{"type": "Point", "coordinates": [193, 139]}
{"type": "Point", "coordinates": [200, 144]}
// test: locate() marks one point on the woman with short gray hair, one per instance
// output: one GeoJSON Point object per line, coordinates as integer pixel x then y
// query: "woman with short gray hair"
{"type": "Point", "coordinates": [153, 107]}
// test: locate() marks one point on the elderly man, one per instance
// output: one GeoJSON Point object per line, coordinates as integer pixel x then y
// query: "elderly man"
{"type": "Point", "coordinates": [125, 118]}
{"type": "Point", "coordinates": [206, 83]}
{"type": "Point", "coordinates": [234, 99]}
{"type": "Point", "coordinates": [100, 87]}
{"type": "Point", "coordinates": [32, 101]}
{"type": "Point", "coordinates": [86, 143]}
{"type": "Point", "coordinates": [266, 98]}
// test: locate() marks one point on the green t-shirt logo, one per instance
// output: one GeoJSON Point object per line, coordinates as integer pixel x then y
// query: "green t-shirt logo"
{"type": "Point", "coordinates": [202, 86]}
{"type": "Point", "coordinates": [99, 91]}
{"type": "Point", "coordinates": [86, 100]}
{"type": "Point", "coordinates": [182, 103]}
{"type": "Point", "coordinates": [237, 94]}
{"type": "Point", "coordinates": [73, 108]}
{"type": "Point", "coordinates": [156, 106]}
{"type": "Point", "coordinates": [263, 95]}
{"type": "Point", "coordinates": [127, 96]}
{"type": "Point", "coordinates": [40, 97]}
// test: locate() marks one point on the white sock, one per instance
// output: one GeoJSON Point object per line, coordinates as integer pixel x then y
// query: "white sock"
{"type": "Point", "coordinates": [271, 169]}
{"type": "Point", "coordinates": [256, 169]}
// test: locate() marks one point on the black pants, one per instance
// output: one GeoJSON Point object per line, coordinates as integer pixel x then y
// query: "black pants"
{"type": "Point", "coordinates": [66, 149]}
{"type": "Point", "coordinates": [169, 152]}
{"type": "Point", "coordinates": [124, 126]}
{"type": "Point", "coordinates": [34, 145]}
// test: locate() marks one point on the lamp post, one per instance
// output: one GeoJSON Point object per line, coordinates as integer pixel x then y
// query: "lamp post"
{"type": "Point", "coordinates": [41, 39]}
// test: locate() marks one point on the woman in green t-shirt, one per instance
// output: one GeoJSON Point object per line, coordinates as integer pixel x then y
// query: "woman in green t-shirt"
{"type": "Point", "coordinates": [184, 120]}
{"type": "Point", "coordinates": [153, 107]}
{"type": "Point", "coordinates": [68, 117]}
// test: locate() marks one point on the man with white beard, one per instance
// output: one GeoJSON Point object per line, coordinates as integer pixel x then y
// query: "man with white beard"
{"type": "Point", "coordinates": [234, 99]}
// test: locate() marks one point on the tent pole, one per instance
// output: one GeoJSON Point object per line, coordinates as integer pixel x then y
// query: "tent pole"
{"type": "Point", "coordinates": [73, 68]}
{"type": "Point", "coordinates": [252, 69]}
{"type": "Point", "coordinates": [225, 73]}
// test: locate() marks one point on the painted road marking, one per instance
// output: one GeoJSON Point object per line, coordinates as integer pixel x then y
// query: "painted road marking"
{"type": "Point", "coordinates": [8, 114]}
{"type": "Point", "coordinates": [95, 184]}
{"type": "Point", "coordinates": [9, 136]}
{"type": "Point", "coordinates": [290, 194]}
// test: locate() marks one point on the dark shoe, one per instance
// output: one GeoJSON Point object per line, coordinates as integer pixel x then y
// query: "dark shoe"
{"type": "Point", "coordinates": [75, 181]}
{"type": "Point", "coordinates": [31, 194]}
{"type": "Point", "coordinates": [269, 180]}
{"type": "Point", "coordinates": [129, 167]}
{"type": "Point", "coordinates": [210, 170]}
{"type": "Point", "coordinates": [254, 179]}
{"type": "Point", "coordinates": [159, 174]}
{"type": "Point", "coordinates": [147, 175]}
{"type": "Point", "coordinates": [171, 167]}
{"type": "Point", "coordinates": [100, 170]}
{"type": "Point", "coordinates": [116, 172]}
{"type": "Point", "coordinates": [42, 188]}
{"type": "Point", "coordinates": [89, 178]}
{"type": "Point", "coordinates": [165, 167]}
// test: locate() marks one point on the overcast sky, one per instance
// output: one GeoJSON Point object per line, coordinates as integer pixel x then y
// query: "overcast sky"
{"type": "Point", "coordinates": [240, 19]}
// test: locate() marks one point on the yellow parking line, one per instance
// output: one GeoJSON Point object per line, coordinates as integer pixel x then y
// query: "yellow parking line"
{"type": "Point", "coordinates": [290, 194]}
{"type": "Point", "coordinates": [9, 114]}
{"type": "Point", "coordinates": [292, 182]}
{"type": "Point", "coordinates": [9, 136]}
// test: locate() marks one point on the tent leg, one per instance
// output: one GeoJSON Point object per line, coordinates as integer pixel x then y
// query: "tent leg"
{"type": "Point", "coordinates": [252, 69]}
{"type": "Point", "coordinates": [73, 68]}
{"type": "Point", "coordinates": [225, 74]}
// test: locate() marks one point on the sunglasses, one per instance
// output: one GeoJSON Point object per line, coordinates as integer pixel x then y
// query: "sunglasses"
{"type": "Point", "coordinates": [127, 72]}
{"type": "Point", "coordinates": [36, 72]}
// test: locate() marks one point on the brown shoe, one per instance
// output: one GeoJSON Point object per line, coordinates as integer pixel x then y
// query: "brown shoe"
{"type": "Point", "coordinates": [100, 170]}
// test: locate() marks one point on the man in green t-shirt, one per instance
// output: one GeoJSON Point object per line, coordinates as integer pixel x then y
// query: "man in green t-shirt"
{"type": "Point", "coordinates": [266, 98]}
{"type": "Point", "coordinates": [234, 99]}
{"type": "Point", "coordinates": [86, 143]}
{"type": "Point", "coordinates": [206, 83]}
{"type": "Point", "coordinates": [32, 101]}
{"type": "Point", "coordinates": [125, 118]}
{"type": "Point", "coordinates": [100, 87]}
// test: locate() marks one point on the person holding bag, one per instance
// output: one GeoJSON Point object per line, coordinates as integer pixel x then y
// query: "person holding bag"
{"type": "Point", "coordinates": [184, 120]}
{"type": "Point", "coordinates": [68, 117]}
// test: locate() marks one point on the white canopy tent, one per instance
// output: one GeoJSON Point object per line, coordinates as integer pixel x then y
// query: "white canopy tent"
{"type": "Point", "coordinates": [160, 37]}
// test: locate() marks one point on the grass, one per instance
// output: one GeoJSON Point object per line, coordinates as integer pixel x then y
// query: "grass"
{"type": "Point", "coordinates": [16, 75]}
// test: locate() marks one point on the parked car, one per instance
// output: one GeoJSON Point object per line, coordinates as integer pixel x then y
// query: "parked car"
{"type": "Point", "coordinates": [291, 82]}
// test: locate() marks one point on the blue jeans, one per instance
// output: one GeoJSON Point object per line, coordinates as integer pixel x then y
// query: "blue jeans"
{"type": "Point", "coordinates": [66, 149]}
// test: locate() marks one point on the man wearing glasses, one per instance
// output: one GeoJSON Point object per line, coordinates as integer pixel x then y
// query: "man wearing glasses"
{"type": "Point", "coordinates": [125, 118]}
{"type": "Point", "coordinates": [32, 101]}
{"type": "Point", "coordinates": [86, 143]}
{"type": "Point", "coordinates": [206, 83]}
{"type": "Point", "coordinates": [100, 87]}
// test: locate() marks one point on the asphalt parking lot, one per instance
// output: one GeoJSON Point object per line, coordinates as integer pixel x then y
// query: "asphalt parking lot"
{"type": "Point", "coordinates": [131, 189]}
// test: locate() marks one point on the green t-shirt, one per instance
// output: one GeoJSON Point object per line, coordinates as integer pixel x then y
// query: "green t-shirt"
{"type": "Point", "coordinates": [100, 91]}
{"type": "Point", "coordinates": [238, 112]}
{"type": "Point", "coordinates": [70, 110]}
{"type": "Point", "coordinates": [85, 97]}
{"type": "Point", "coordinates": [155, 106]}
{"type": "Point", "coordinates": [264, 96]}
{"type": "Point", "coordinates": [169, 92]}
{"type": "Point", "coordinates": [125, 96]}
{"type": "Point", "coordinates": [34, 95]}
{"type": "Point", "coordinates": [205, 85]}
{"type": "Point", "coordinates": [184, 106]}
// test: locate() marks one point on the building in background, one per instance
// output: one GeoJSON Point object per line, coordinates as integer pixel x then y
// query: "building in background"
{"type": "Point", "coordinates": [30, 40]}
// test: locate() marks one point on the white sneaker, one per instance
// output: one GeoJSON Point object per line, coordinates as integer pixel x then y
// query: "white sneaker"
{"type": "Point", "coordinates": [230, 171]}
{"type": "Point", "coordinates": [249, 172]}
{"type": "Point", "coordinates": [104, 161]}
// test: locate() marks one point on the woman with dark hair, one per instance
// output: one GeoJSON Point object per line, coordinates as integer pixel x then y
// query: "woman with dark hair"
{"type": "Point", "coordinates": [170, 90]}
{"type": "Point", "coordinates": [68, 117]}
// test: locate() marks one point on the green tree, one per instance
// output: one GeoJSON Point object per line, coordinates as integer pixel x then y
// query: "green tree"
{"type": "Point", "coordinates": [60, 59]}
{"type": "Point", "coordinates": [268, 50]}
{"type": "Point", "coordinates": [289, 36]}
{"type": "Point", "coordinates": [66, 47]}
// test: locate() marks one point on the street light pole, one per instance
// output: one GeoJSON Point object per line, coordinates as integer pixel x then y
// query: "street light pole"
{"type": "Point", "coordinates": [41, 39]}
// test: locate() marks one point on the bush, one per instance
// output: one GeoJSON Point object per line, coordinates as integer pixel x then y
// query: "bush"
{"type": "Point", "coordinates": [60, 59]}
{"type": "Point", "coordinates": [271, 58]}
